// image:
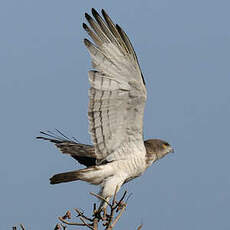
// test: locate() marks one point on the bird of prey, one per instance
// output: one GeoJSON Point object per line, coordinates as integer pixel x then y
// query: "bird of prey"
{"type": "Point", "coordinates": [117, 99]}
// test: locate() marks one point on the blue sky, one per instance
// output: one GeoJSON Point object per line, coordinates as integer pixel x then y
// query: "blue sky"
{"type": "Point", "coordinates": [184, 51]}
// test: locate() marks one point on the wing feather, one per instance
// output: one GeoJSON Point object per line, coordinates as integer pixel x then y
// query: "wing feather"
{"type": "Point", "coordinates": [113, 29]}
{"type": "Point", "coordinates": [93, 35]}
{"type": "Point", "coordinates": [96, 27]}
{"type": "Point", "coordinates": [84, 154]}
{"type": "Point", "coordinates": [117, 94]}
{"type": "Point", "coordinates": [105, 28]}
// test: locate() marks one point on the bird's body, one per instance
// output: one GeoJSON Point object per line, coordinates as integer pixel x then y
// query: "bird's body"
{"type": "Point", "coordinates": [110, 175]}
{"type": "Point", "coordinates": [116, 107]}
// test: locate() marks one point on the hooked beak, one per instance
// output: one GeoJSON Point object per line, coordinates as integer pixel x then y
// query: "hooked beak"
{"type": "Point", "coordinates": [171, 150]}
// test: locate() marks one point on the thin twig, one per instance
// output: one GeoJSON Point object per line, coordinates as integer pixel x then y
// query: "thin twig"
{"type": "Point", "coordinates": [67, 215]}
{"type": "Point", "coordinates": [118, 216]}
{"type": "Point", "coordinates": [108, 224]}
{"type": "Point", "coordinates": [114, 196]}
{"type": "Point", "coordinates": [82, 215]}
{"type": "Point", "coordinates": [86, 224]}
{"type": "Point", "coordinates": [64, 226]}
{"type": "Point", "coordinates": [95, 220]}
{"type": "Point", "coordinates": [122, 198]}
{"type": "Point", "coordinates": [101, 198]}
{"type": "Point", "coordinates": [70, 223]}
{"type": "Point", "coordinates": [113, 207]}
{"type": "Point", "coordinates": [95, 224]}
{"type": "Point", "coordinates": [57, 227]}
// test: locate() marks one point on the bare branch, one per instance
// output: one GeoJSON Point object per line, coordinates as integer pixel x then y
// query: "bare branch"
{"type": "Point", "coordinates": [86, 224]}
{"type": "Point", "coordinates": [67, 215]}
{"type": "Point", "coordinates": [82, 215]}
{"type": "Point", "coordinates": [101, 198]}
{"type": "Point", "coordinates": [107, 220]}
{"type": "Point", "coordinates": [114, 196]}
{"type": "Point", "coordinates": [64, 226]}
{"type": "Point", "coordinates": [70, 223]}
{"type": "Point", "coordinates": [95, 220]}
{"type": "Point", "coordinates": [57, 227]}
{"type": "Point", "coordinates": [118, 216]}
{"type": "Point", "coordinates": [121, 200]}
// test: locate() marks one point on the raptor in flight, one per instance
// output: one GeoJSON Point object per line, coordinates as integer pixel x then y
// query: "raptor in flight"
{"type": "Point", "coordinates": [117, 99]}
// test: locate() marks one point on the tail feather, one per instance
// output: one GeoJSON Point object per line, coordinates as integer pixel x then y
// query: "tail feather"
{"type": "Point", "coordinates": [93, 175]}
{"type": "Point", "coordinates": [65, 177]}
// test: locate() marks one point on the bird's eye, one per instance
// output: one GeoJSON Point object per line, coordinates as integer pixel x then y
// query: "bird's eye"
{"type": "Point", "coordinates": [165, 145]}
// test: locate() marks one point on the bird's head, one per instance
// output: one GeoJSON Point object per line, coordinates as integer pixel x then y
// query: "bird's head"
{"type": "Point", "coordinates": [158, 147]}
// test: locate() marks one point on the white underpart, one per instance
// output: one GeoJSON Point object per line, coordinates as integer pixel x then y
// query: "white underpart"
{"type": "Point", "coordinates": [120, 171]}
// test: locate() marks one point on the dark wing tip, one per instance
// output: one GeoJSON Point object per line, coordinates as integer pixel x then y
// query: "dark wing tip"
{"type": "Point", "coordinates": [97, 16]}
{"type": "Point", "coordinates": [94, 12]}
{"type": "Point", "coordinates": [104, 13]}
{"type": "Point", "coordinates": [88, 17]}
{"type": "Point", "coordinates": [119, 28]}
{"type": "Point", "coordinates": [85, 27]}
{"type": "Point", "coordinates": [87, 42]}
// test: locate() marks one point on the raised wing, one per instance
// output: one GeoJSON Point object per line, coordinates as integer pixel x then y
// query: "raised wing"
{"type": "Point", "coordinates": [117, 94]}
